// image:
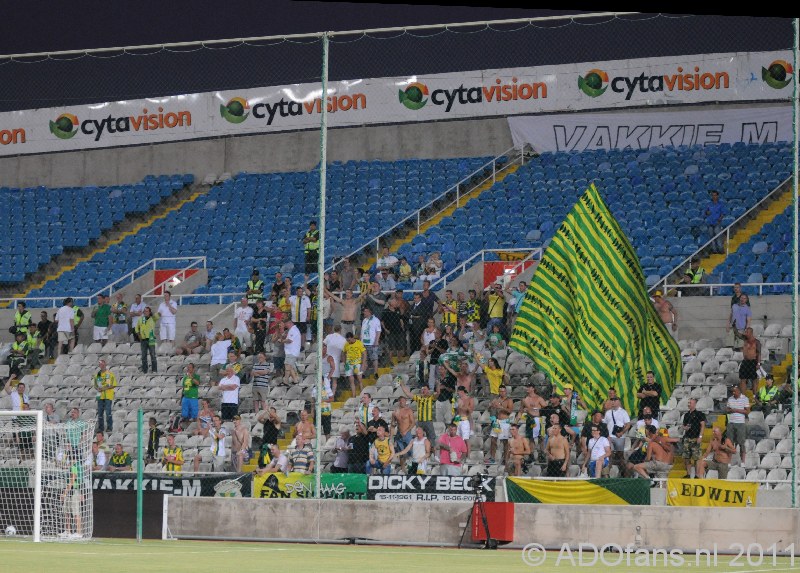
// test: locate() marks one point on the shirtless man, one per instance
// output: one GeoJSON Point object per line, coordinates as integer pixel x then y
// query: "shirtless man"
{"type": "Point", "coordinates": [667, 313]}
{"type": "Point", "coordinates": [465, 406]}
{"type": "Point", "coordinates": [557, 452]}
{"type": "Point", "coordinates": [530, 406]}
{"type": "Point", "coordinates": [751, 360]}
{"type": "Point", "coordinates": [305, 427]}
{"type": "Point", "coordinates": [403, 424]}
{"type": "Point", "coordinates": [240, 444]}
{"type": "Point", "coordinates": [519, 449]}
{"type": "Point", "coordinates": [660, 455]}
{"type": "Point", "coordinates": [501, 407]}
{"type": "Point", "coordinates": [349, 310]}
{"type": "Point", "coordinates": [463, 376]}
{"type": "Point", "coordinates": [722, 448]}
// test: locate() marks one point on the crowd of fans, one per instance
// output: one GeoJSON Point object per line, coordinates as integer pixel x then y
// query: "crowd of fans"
{"type": "Point", "coordinates": [459, 344]}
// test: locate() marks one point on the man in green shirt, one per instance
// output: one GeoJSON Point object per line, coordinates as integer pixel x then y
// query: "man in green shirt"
{"type": "Point", "coordinates": [119, 325]}
{"type": "Point", "coordinates": [121, 460]}
{"type": "Point", "coordinates": [189, 405]}
{"type": "Point", "coordinates": [101, 315]}
{"type": "Point", "coordinates": [72, 497]}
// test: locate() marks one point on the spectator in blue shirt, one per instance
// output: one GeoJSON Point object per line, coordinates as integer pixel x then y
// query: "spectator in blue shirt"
{"type": "Point", "coordinates": [714, 213]}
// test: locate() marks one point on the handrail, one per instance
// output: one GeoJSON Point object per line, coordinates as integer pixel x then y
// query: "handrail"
{"type": "Point", "coordinates": [416, 215]}
{"type": "Point", "coordinates": [129, 277]}
{"type": "Point", "coordinates": [711, 287]}
{"type": "Point", "coordinates": [662, 284]}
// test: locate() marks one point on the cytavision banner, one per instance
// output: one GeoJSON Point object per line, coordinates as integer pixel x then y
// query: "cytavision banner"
{"type": "Point", "coordinates": [332, 486]}
{"type": "Point", "coordinates": [703, 78]}
{"type": "Point", "coordinates": [230, 485]}
{"type": "Point", "coordinates": [613, 491]}
{"type": "Point", "coordinates": [651, 128]}
{"type": "Point", "coordinates": [711, 493]}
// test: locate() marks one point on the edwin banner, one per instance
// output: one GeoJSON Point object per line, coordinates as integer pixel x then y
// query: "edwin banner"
{"type": "Point", "coordinates": [611, 491]}
{"type": "Point", "coordinates": [333, 486]}
{"type": "Point", "coordinates": [711, 493]}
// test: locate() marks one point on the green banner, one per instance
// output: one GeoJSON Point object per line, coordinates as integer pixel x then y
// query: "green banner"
{"type": "Point", "coordinates": [586, 319]}
{"type": "Point", "coordinates": [606, 491]}
{"type": "Point", "coordinates": [294, 485]}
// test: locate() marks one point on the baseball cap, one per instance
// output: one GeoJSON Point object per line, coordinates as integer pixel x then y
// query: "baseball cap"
{"type": "Point", "coordinates": [658, 293]}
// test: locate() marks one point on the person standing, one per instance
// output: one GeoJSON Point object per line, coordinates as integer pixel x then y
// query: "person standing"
{"type": "Point", "coordinates": [189, 399]}
{"type": "Point", "coordinates": [255, 289]}
{"type": "Point", "coordinates": [172, 457]}
{"type": "Point", "coordinates": [242, 325]}
{"type": "Point", "coordinates": [738, 408]}
{"type": "Point", "coordinates": [104, 382]}
{"type": "Point", "coordinates": [667, 313]}
{"type": "Point", "coordinates": [260, 320]}
{"type": "Point", "coordinates": [715, 212]}
{"type": "Point", "coordinates": [694, 424]}
{"type": "Point", "coordinates": [65, 318]}
{"type": "Point", "coordinates": [146, 330]}
{"type": "Point", "coordinates": [311, 248]}
{"type": "Point", "coordinates": [101, 315]}
{"type": "Point", "coordinates": [452, 452]}
{"type": "Point", "coordinates": [119, 324]}
{"type": "Point", "coordinates": [229, 385]}
{"type": "Point", "coordinates": [135, 313]}
{"type": "Point", "coordinates": [22, 318]}
{"type": "Point", "coordinates": [167, 311]}
{"type": "Point", "coordinates": [370, 337]}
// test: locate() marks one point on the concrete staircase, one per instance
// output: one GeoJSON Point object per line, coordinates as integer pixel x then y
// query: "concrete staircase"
{"type": "Point", "coordinates": [129, 226]}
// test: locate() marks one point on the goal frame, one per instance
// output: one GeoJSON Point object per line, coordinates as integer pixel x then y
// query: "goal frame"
{"type": "Point", "coordinates": [38, 450]}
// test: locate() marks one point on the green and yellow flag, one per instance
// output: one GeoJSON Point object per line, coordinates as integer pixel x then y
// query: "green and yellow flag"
{"type": "Point", "coordinates": [587, 319]}
{"type": "Point", "coordinates": [604, 491]}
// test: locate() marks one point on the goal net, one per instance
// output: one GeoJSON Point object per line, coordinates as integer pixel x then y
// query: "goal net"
{"type": "Point", "coordinates": [45, 478]}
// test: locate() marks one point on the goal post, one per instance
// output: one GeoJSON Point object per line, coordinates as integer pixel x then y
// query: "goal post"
{"type": "Point", "coordinates": [45, 477]}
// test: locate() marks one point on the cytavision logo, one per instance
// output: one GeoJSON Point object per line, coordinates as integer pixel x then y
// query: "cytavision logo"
{"type": "Point", "coordinates": [593, 83]}
{"type": "Point", "coordinates": [67, 125]}
{"type": "Point", "coordinates": [778, 75]}
{"type": "Point", "coordinates": [414, 97]}
{"type": "Point", "coordinates": [285, 108]}
{"type": "Point", "coordinates": [234, 110]}
{"type": "Point", "coordinates": [462, 95]}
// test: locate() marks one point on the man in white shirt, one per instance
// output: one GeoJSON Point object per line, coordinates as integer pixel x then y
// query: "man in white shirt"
{"type": "Point", "coordinates": [300, 308]}
{"type": "Point", "coordinates": [278, 464]}
{"type": "Point", "coordinates": [387, 261]}
{"type": "Point", "coordinates": [599, 453]}
{"type": "Point", "coordinates": [210, 335]}
{"type": "Point", "coordinates": [167, 309]}
{"type": "Point", "coordinates": [229, 385]}
{"type": "Point", "coordinates": [647, 420]}
{"type": "Point", "coordinates": [335, 343]}
{"type": "Point", "coordinates": [217, 452]}
{"type": "Point", "coordinates": [18, 396]}
{"type": "Point", "coordinates": [65, 317]}
{"type": "Point", "coordinates": [370, 337]}
{"type": "Point", "coordinates": [135, 313]}
{"type": "Point", "coordinates": [618, 423]}
{"type": "Point", "coordinates": [219, 356]}
{"type": "Point", "coordinates": [738, 409]}
{"type": "Point", "coordinates": [241, 322]}
{"type": "Point", "coordinates": [292, 346]}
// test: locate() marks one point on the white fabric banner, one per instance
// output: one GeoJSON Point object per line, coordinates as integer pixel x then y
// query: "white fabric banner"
{"type": "Point", "coordinates": [650, 128]}
{"type": "Point", "coordinates": [705, 78]}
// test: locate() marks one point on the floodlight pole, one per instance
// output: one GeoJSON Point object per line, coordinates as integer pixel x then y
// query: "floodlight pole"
{"type": "Point", "coordinates": [323, 173]}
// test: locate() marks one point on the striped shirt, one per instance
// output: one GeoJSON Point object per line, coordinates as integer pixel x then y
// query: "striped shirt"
{"type": "Point", "coordinates": [424, 407]}
{"type": "Point", "coordinates": [169, 466]}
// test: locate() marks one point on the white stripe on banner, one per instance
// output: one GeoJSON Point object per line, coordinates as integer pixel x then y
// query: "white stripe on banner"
{"type": "Point", "coordinates": [758, 76]}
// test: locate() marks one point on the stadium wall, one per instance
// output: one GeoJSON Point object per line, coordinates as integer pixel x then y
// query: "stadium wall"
{"type": "Point", "coordinates": [442, 523]}
{"type": "Point", "coordinates": [291, 151]}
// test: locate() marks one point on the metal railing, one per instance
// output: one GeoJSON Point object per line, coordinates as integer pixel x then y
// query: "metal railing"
{"type": "Point", "coordinates": [418, 219]}
{"type": "Point", "coordinates": [682, 289]}
{"type": "Point", "coordinates": [138, 272]}
{"type": "Point", "coordinates": [733, 227]}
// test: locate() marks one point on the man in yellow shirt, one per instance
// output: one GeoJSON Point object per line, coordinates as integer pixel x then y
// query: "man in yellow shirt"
{"type": "Point", "coordinates": [104, 383]}
{"type": "Point", "coordinates": [355, 357]}
{"type": "Point", "coordinates": [172, 457]}
{"type": "Point", "coordinates": [495, 304]}
{"type": "Point", "coordinates": [381, 453]}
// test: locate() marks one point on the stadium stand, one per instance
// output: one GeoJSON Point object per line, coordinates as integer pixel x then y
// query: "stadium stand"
{"type": "Point", "coordinates": [57, 218]}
